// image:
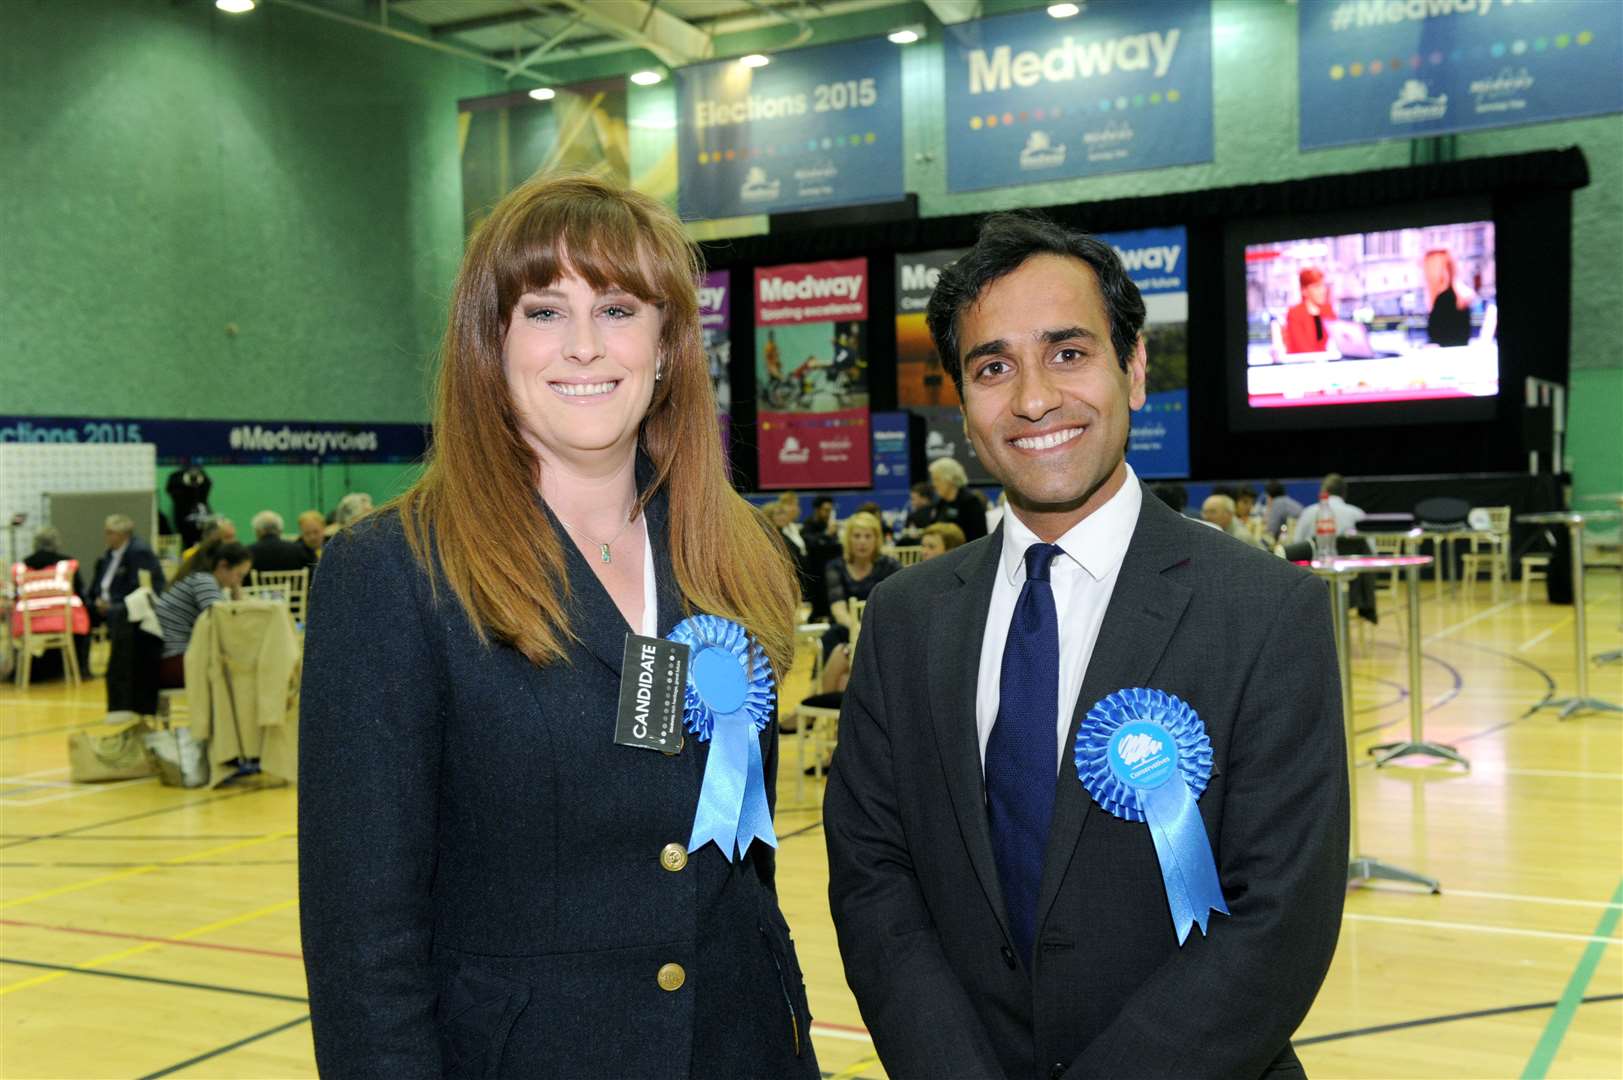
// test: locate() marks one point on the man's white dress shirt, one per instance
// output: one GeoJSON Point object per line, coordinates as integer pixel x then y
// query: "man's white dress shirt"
{"type": "Point", "coordinates": [1082, 578]}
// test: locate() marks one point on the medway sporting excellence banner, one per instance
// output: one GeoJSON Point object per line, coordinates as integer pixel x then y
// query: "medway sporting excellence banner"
{"type": "Point", "coordinates": [814, 128]}
{"type": "Point", "coordinates": [811, 374]}
{"type": "Point", "coordinates": [1122, 86]}
{"type": "Point", "coordinates": [922, 385]}
{"type": "Point", "coordinates": [1403, 69]}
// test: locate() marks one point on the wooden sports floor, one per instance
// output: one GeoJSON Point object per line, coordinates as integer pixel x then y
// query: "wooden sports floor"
{"type": "Point", "coordinates": [149, 931]}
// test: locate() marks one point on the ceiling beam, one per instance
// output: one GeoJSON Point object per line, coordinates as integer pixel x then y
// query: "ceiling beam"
{"type": "Point", "coordinates": [954, 11]}
{"type": "Point", "coordinates": [484, 22]}
{"type": "Point", "coordinates": [640, 23]}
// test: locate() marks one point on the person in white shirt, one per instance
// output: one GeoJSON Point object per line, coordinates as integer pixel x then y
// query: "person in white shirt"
{"type": "Point", "coordinates": [1219, 511]}
{"type": "Point", "coordinates": [993, 919]}
{"type": "Point", "coordinates": [1347, 515]}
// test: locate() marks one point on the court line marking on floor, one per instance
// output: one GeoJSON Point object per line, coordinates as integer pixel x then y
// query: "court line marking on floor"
{"type": "Point", "coordinates": [1477, 895]}
{"type": "Point", "coordinates": [1540, 638]}
{"type": "Point", "coordinates": [227, 1048]}
{"type": "Point", "coordinates": [74, 791]}
{"type": "Point", "coordinates": [63, 771]}
{"type": "Point", "coordinates": [82, 706]}
{"type": "Point", "coordinates": [40, 731]}
{"type": "Point", "coordinates": [91, 883]}
{"type": "Point", "coordinates": [1447, 1018]}
{"type": "Point", "coordinates": [1462, 624]}
{"type": "Point", "coordinates": [856, 1068]}
{"type": "Point", "coordinates": [88, 932]}
{"type": "Point", "coordinates": [1568, 774]}
{"type": "Point", "coordinates": [840, 1031]}
{"type": "Point", "coordinates": [150, 946]}
{"type": "Point", "coordinates": [1480, 928]}
{"type": "Point", "coordinates": [72, 833]}
{"type": "Point", "coordinates": [1555, 1029]}
{"type": "Point", "coordinates": [158, 980]}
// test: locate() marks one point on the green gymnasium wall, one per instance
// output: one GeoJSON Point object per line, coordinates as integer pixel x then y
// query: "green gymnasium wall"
{"type": "Point", "coordinates": [168, 171]}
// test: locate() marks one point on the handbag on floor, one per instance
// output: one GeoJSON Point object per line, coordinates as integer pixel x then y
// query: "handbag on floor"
{"type": "Point", "coordinates": [96, 756]}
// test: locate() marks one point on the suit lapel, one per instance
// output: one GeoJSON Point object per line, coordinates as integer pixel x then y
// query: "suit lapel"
{"type": "Point", "coordinates": [1143, 612]}
{"type": "Point", "coordinates": [954, 671]}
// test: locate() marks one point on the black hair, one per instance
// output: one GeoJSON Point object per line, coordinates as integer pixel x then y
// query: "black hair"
{"type": "Point", "coordinates": [1245, 491]}
{"type": "Point", "coordinates": [1006, 241]}
{"type": "Point", "coordinates": [923, 488]}
{"type": "Point", "coordinates": [1174, 495]}
{"type": "Point", "coordinates": [1224, 489]}
{"type": "Point", "coordinates": [208, 557]}
{"type": "Point", "coordinates": [821, 499]}
{"type": "Point", "coordinates": [1274, 489]}
{"type": "Point", "coordinates": [1335, 485]}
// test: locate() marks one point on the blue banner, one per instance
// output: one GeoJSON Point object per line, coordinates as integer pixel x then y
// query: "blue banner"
{"type": "Point", "coordinates": [252, 442]}
{"type": "Point", "coordinates": [890, 451]}
{"type": "Point", "coordinates": [813, 128]}
{"type": "Point", "coordinates": [1158, 262]}
{"type": "Point", "coordinates": [1404, 69]}
{"type": "Point", "coordinates": [1122, 86]}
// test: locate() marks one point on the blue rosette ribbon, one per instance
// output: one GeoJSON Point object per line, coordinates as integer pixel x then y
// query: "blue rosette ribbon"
{"type": "Point", "coordinates": [1144, 756]}
{"type": "Point", "coordinates": [727, 702]}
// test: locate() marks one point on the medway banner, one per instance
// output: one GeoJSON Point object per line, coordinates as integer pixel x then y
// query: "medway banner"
{"type": "Point", "coordinates": [1158, 262]}
{"type": "Point", "coordinates": [813, 128]}
{"type": "Point", "coordinates": [922, 385]}
{"type": "Point", "coordinates": [1405, 69]}
{"type": "Point", "coordinates": [811, 374]}
{"type": "Point", "coordinates": [251, 442]}
{"type": "Point", "coordinates": [891, 447]}
{"type": "Point", "coordinates": [1120, 87]}
{"type": "Point", "coordinates": [715, 322]}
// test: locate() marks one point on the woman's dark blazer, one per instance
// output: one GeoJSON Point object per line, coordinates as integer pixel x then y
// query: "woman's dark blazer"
{"type": "Point", "coordinates": [485, 882]}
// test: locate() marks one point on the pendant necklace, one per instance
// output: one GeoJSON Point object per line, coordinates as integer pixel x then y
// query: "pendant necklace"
{"type": "Point", "coordinates": [602, 545]}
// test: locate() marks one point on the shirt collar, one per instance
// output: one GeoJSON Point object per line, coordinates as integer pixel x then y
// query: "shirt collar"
{"type": "Point", "coordinates": [1097, 543]}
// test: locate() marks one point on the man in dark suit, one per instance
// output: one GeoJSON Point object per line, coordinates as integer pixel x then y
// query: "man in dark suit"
{"type": "Point", "coordinates": [993, 920]}
{"type": "Point", "coordinates": [132, 660]}
{"type": "Point", "coordinates": [270, 551]}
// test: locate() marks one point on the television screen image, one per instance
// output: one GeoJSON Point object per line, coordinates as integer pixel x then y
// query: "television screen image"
{"type": "Point", "coordinates": [1399, 315]}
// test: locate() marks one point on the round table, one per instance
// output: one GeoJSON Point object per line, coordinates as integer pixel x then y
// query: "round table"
{"type": "Point", "coordinates": [1575, 520]}
{"type": "Point", "coordinates": [1338, 572]}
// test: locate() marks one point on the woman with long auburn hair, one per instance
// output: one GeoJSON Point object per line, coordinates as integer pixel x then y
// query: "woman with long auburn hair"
{"type": "Point", "coordinates": [503, 870]}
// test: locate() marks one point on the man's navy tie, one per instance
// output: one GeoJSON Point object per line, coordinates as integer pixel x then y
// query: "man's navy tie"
{"type": "Point", "coordinates": [1020, 753]}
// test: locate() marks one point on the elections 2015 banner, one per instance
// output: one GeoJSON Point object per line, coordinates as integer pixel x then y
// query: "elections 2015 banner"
{"type": "Point", "coordinates": [1402, 69]}
{"type": "Point", "coordinates": [1158, 262]}
{"type": "Point", "coordinates": [1122, 86]}
{"type": "Point", "coordinates": [243, 442]}
{"type": "Point", "coordinates": [814, 128]}
{"type": "Point", "coordinates": [811, 374]}
{"type": "Point", "coordinates": [922, 384]}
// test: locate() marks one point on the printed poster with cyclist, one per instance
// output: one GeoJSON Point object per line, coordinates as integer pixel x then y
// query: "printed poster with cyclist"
{"type": "Point", "coordinates": [811, 374]}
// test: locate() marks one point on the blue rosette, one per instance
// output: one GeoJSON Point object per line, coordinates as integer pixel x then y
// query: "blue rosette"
{"type": "Point", "coordinates": [1143, 755]}
{"type": "Point", "coordinates": [727, 702]}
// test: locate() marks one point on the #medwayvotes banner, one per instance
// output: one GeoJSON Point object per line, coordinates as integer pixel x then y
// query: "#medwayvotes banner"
{"type": "Point", "coordinates": [813, 128]}
{"type": "Point", "coordinates": [1122, 86]}
{"type": "Point", "coordinates": [1158, 262]}
{"type": "Point", "coordinates": [1402, 69]}
{"type": "Point", "coordinates": [811, 374]}
{"type": "Point", "coordinates": [922, 385]}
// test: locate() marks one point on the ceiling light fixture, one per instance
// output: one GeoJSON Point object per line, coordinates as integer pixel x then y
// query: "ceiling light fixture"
{"type": "Point", "coordinates": [235, 7]}
{"type": "Point", "coordinates": [1063, 11]}
{"type": "Point", "coordinates": [755, 60]}
{"type": "Point", "coordinates": [646, 78]}
{"type": "Point", "coordinates": [543, 93]}
{"type": "Point", "coordinates": [907, 35]}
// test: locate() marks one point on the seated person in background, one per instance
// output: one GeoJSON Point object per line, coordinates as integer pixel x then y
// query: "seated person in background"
{"type": "Point", "coordinates": [1347, 515]}
{"type": "Point", "coordinates": [957, 505]}
{"type": "Point", "coordinates": [1278, 509]}
{"type": "Point", "coordinates": [780, 514]}
{"type": "Point", "coordinates": [1449, 300]}
{"type": "Point", "coordinates": [1305, 322]}
{"type": "Point", "coordinates": [312, 534]}
{"type": "Point", "coordinates": [822, 547]}
{"type": "Point", "coordinates": [878, 512]}
{"type": "Point", "coordinates": [351, 508]}
{"type": "Point", "coordinates": [939, 539]}
{"type": "Point", "coordinates": [1245, 502]}
{"type": "Point", "coordinates": [217, 528]}
{"type": "Point", "coordinates": [270, 551]}
{"type": "Point", "coordinates": [920, 511]}
{"type": "Point", "coordinates": [46, 554]}
{"type": "Point", "coordinates": [853, 575]}
{"type": "Point", "coordinates": [1174, 495]}
{"type": "Point", "coordinates": [1219, 510]}
{"type": "Point", "coordinates": [212, 574]}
